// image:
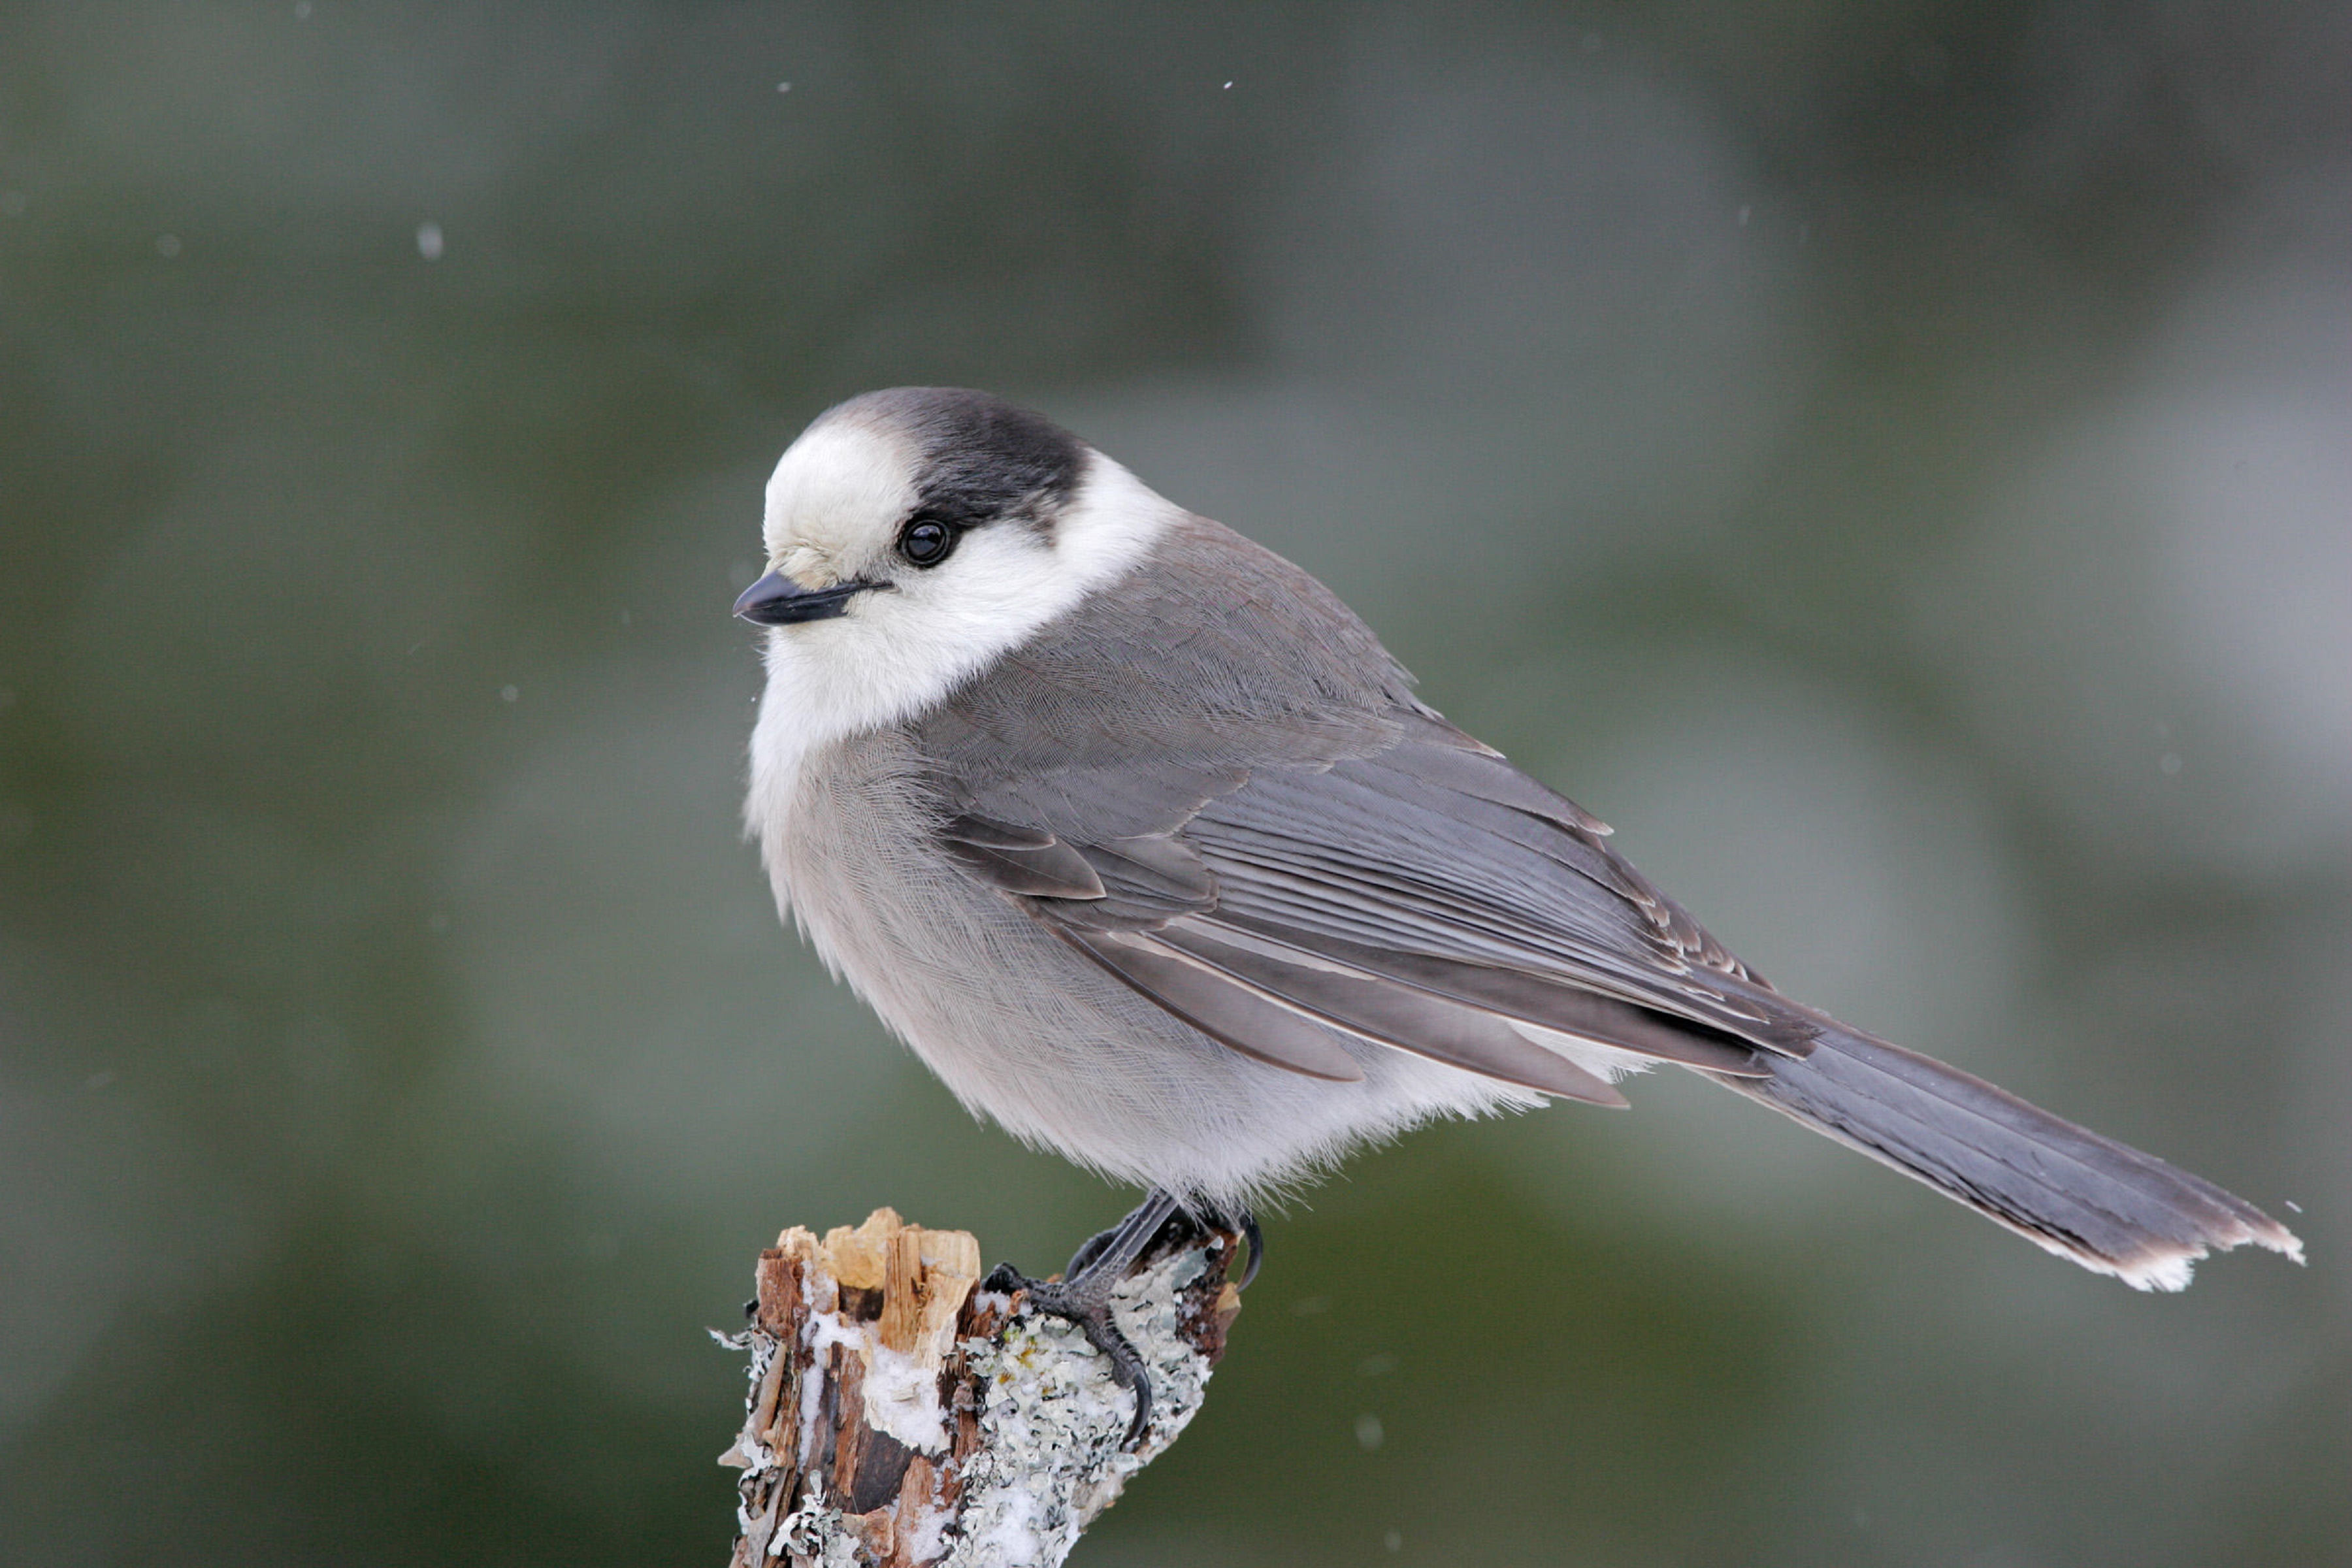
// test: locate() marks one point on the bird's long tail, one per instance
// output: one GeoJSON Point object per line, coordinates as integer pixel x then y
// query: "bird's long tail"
{"type": "Point", "coordinates": [2109, 1207]}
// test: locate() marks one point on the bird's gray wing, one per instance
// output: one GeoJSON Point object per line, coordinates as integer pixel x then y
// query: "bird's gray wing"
{"type": "Point", "coordinates": [1239, 823]}
{"type": "Point", "coordinates": [1396, 896]}
{"type": "Point", "coordinates": [1438, 866]}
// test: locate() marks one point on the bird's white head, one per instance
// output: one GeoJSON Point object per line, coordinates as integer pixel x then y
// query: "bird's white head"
{"type": "Point", "coordinates": [914, 537]}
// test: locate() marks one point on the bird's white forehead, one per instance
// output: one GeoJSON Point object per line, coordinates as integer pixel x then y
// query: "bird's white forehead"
{"type": "Point", "coordinates": [837, 492]}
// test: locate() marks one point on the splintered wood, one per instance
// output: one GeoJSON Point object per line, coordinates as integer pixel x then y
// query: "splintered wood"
{"type": "Point", "coordinates": [900, 1418]}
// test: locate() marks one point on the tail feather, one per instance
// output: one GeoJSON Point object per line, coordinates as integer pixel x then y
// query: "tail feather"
{"type": "Point", "coordinates": [2109, 1207]}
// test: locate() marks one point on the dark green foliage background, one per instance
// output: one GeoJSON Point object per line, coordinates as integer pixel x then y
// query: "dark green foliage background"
{"type": "Point", "coordinates": [1889, 459]}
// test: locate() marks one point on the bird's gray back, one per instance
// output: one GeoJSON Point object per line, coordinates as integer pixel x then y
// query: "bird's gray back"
{"type": "Point", "coordinates": [1212, 655]}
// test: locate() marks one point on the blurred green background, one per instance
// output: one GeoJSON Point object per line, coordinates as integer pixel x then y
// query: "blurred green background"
{"type": "Point", "coordinates": [1894, 461]}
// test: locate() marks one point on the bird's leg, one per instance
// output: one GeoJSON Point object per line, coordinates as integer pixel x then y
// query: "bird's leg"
{"type": "Point", "coordinates": [1199, 1220]}
{"type": "Point", "coordinates": [1082, 1296]}
{"type": "Point", "coordinates": [1094, 1245]}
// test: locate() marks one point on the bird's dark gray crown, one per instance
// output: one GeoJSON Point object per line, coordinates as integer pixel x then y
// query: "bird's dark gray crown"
{"type": "Point", "coordinates": [978, 458]}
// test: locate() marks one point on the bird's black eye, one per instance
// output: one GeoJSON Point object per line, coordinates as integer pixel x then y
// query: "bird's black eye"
{"type": "Point", "coordinates": [926, 542]}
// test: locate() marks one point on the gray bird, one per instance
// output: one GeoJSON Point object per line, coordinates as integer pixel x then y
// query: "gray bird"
{"type": "Point", "coordinates": [1142, 842]}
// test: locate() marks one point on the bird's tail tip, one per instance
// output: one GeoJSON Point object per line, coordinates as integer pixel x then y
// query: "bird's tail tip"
{"type": "Point", "coordinates": [2170, 1265]}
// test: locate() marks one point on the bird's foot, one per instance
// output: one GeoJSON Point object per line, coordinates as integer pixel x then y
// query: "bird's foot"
{"type": "Point", "coordinates": [1082, 1296]}
{"type": "Point", "coordinates": [1088, 1310]}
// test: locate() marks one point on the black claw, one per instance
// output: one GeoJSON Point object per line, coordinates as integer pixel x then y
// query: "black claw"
{"type": "Point", "coordinates": [1244, 1221]}
{"type": "Point", "coordinates": [1126, 1366]}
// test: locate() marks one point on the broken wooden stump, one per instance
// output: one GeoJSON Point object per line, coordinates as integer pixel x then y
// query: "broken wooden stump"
{"type": "Point", "coordinates": [899, 1416]}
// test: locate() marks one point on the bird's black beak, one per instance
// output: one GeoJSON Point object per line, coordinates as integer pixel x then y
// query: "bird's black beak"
{"type": "Point", "coordinates": [775, 600]}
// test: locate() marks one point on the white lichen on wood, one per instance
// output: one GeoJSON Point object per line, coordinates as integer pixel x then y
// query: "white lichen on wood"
{"type": "Point", "coordinates": [898, 1417]}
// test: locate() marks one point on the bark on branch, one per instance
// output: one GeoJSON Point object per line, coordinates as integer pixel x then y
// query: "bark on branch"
{"type": "Point", "coordinates": [898, 1415]}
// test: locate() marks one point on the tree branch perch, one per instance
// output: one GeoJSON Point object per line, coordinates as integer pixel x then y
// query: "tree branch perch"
{"type": "Point", "coordinates": [900, 1418]}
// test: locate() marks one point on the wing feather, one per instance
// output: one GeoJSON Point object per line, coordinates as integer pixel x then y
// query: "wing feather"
{"type": "Point", "coordinates": [1233, 1016]}
{"type": "Point", "coordinates": [1398, 1015]}
{"type": "Point", "coordinates": [1048, 870]}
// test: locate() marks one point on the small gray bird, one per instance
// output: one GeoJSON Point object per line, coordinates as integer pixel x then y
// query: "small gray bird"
{"type": "Point", "coordinates": [1142, 841]}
